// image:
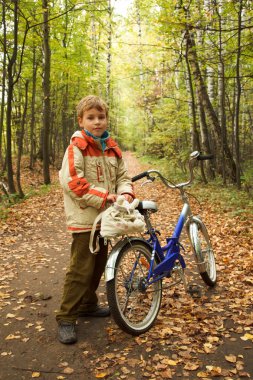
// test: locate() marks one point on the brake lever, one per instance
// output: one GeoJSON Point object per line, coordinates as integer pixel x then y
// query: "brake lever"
{"type": "Point", "coordinates": [146, 182]}
{"type": "Point", "coordinates": [149, 180]}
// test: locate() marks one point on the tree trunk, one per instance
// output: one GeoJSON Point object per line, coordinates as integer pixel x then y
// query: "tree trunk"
{"type": "Point", "coordinates": [221, 93]}
{"type": "Point", "coordinates": [10, 76]}
{"type": "Point", "coordinates": [109, 56]}
{"type": "Point", "coordinates": [194, 131]}
{"type": "Point", "coordinates": [20, 142]}
{"type": "Point", "coordinates": [3, 83]}
{"type": "Point", "coordinates": [205, 100]}
{"type": "Point", "coordinates": [237, 100]}
{"type": "Point", "coordinates": [46, 92]}
{"type": "Point", "coordinates": [32, 124]}
{"type": "Point", "coordinates": [64, 113]}
{"type": "Point", "coordinates": [65, 137]}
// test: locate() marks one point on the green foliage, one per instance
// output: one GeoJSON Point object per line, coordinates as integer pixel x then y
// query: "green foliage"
{"type": "Point", "coordinates": [150, 101]}
{"type": "Point", "coordinates": [228, 199]}
{"type": "Point", "coordinates": [247, 177]}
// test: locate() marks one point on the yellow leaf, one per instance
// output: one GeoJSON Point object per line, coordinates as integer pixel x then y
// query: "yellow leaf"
{"type": "Point", "coordinates": [166, 331]}
{"type": "Point", "coordinates": [231, 358]}
{"type": "Point", "coordinates": [202, 374]}
{"type": "Point", "coordinates": [214, 370]}
{"type": "Point", "coordinates": [68, 370]}
{"type": "Point", "coordinates": [101, 375]}
{"type": "Point", "coordinates": [4, 295]}
{"type": "Point", "coordinates": [247, 336]}
{"type": "Point", "coordinates": [11, 336]}
{"type": "Point", "coordinates": [212, 339]}
{"type": "Point", "coordinates": [9, 315]}
{"type": "Point", "coordinates": [208, 347]}
{"type": "Point", "coordinates": [171, 362]}
{"type": "Point", "coordinates": [22, 293]}
{"type": "Point", "coordinates": [35, 374]}
{"type": "Point", "coordinates": [191, 367]}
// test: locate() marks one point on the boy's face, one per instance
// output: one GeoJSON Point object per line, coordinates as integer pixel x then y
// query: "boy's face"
{"type": "Point", "coordinates": [94, 121]}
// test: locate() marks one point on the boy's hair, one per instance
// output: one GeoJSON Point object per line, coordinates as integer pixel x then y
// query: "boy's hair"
{"type": "Point", "coordinates": [91, 101]}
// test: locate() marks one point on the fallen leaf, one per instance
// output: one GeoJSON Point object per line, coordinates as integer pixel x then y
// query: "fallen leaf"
{"type": "Point", "coordinates": [231, 358]}
{"type": "Point", "coordinates": [191, 366]}
{"type": "Point", "coordinates": [22, 293]}
{"type": "Point", "coordinates": [11, 337]}
{"type": "Point", "coordinates": [169, 361]}
{"type": "Point", "coordinates": [9, 315]}
{"type": "Point", "coordinates": [214, 370]}
{"type": "Point", "coordinates": [101, 375]}
{"type": "Point", "coordinates": [35, 374]}
{"type": "Point", "coordinates": [167, 374]}
{"type": "Point", "coordinates": [203, 374]}
{"type": "Point", "coordinates": [244, 374]}
{"type": "Point", "coordinates": [63, 364]}
{"type": "Point", "coordinates": [68, 370]}
{"type": "Point", "coordinates": [247, 336]}
{"type": "Point", "coordinates": [6, 353]}
{"type": "Point", "coordinates": [4, 295]}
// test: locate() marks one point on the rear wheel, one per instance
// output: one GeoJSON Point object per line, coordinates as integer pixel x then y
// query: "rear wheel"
{"type": "Point", "coordinates": [134, 306]}
{"type": "Point", "coordinates": [204, 253]}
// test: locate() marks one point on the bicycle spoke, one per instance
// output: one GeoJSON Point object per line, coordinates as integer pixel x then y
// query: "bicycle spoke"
{"type": "Point", "coordinates": [135, 301]}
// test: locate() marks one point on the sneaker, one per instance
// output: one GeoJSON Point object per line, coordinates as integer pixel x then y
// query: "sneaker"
{"type": "Point", "coordinates": [67, 333]}
{"type": "Point", "coordinates": [99, 312]}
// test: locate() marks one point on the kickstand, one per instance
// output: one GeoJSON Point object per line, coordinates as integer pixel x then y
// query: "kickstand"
{"type": "Point", "coordinates": [194, 290]}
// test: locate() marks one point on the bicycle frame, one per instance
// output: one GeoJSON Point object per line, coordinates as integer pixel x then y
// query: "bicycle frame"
{"type": "Point", "coordinates": [172, 249]}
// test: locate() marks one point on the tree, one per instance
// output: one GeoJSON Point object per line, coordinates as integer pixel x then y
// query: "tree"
{"type": "Point", "coordinates": [238, 98]}
{"type": "Point", "coordinates": [46, 92]}
{"type": "Point", "coordinates": [20, 138]}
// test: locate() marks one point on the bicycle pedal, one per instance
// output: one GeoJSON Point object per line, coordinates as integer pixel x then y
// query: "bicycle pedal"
{"type": "Point", "coordinates": [194, 291]}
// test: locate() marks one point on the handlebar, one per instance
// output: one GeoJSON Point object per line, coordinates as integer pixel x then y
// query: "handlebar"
{"type": "Point", "coordinates": [140, 176]}
{"type": "Point", "coordinates": [196, 155]}
{"type": "Point", "coordinates": [205, 157]}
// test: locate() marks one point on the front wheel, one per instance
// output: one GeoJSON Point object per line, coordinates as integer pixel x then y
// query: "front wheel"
{"type": "Point", "coordinates": [134, 306]}
{"type": "Point", "coordinates": [204, 254]}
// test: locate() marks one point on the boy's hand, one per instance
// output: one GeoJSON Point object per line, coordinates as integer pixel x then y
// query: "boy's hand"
{"type": "Point", "coordinates": [111, 198]}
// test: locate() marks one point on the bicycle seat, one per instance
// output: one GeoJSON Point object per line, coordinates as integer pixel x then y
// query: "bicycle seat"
{"type": "Point", "coordinates": [147, 205]}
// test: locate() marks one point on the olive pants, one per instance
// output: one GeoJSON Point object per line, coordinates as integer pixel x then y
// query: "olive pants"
{"type": "Point", "coordinates": [82, 279]}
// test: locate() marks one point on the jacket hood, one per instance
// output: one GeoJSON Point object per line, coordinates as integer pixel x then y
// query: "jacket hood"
{"type": "Point", "coordinates": [76, 134]}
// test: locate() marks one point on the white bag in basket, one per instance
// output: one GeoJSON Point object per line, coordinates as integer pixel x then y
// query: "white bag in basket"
{"type": "Point", "coordinates": [121, 218]}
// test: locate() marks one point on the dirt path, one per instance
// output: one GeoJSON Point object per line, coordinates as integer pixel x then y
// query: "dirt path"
{"type": "Point", "coordinates": [205, 338]}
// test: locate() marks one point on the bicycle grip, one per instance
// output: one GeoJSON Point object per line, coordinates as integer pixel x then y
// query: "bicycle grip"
{"type": "Point", "coordinates": [139, 176]}
{"type": "Point", "coordinates": [203, 157]}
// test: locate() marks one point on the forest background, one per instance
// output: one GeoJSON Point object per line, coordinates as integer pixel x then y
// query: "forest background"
{"type": "Point", "coordinates": [177, 76]}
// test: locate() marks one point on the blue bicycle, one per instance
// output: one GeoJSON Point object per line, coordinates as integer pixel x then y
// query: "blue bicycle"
{"type": "Point", "coordinates": [136, 266]}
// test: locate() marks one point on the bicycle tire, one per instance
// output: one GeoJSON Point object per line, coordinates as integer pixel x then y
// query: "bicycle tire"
{"type": "Point", "coordinates": [204, 254]}
{"type": "Point", "coordinates": [133, 307]}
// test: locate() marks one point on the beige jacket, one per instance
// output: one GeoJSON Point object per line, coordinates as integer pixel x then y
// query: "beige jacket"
{"type": "Point", "coordinates": [87, 176]}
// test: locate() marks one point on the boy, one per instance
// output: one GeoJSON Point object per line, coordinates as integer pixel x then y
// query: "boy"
{"type": "Point", "coordinates": [92, 175]}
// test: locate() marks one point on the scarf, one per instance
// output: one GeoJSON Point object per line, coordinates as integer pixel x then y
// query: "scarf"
{"type": "Point", "coordinates": [105, 136]}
